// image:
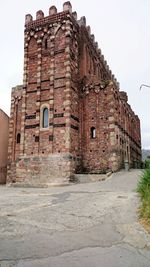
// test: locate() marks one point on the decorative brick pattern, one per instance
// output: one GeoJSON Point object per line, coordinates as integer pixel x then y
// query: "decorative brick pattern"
{"type": "Point", "coordinates": [65, 71]}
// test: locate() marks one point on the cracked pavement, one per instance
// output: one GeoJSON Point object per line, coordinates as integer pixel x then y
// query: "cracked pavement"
{"type": "Point", "coordinates": [82, 225]}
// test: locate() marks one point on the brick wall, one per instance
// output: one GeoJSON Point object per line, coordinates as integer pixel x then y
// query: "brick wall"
{"type": "Point", "coordinates": [66, 74]}
{"type": "Point", "coordinates": [4, 121]}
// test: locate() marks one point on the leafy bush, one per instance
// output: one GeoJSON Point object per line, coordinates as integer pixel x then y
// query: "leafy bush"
{"type": "Point", "coordinates": [144, 183]}
{"type": "Point", "coordinates": [145, 209]}
{"type": "Point", "coordinates": [147, 164]}
{"type": "Point", "coordinates": [144, 191]}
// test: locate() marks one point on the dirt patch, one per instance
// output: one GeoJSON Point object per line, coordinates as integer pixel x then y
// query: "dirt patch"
{"type": "Point", "coordinates": [145, 224]}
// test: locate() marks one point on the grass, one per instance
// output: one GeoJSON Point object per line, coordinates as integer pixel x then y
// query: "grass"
{"type": "Point", "coordinates": [144, 191]}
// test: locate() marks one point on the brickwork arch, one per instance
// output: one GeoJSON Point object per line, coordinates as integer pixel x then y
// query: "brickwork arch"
{"type": "Point", "coordinates": [44, 117]}
{"type": "Point", "coordinates": [32, 46]}
{"type": "Point", "coordinates": [59, 39]}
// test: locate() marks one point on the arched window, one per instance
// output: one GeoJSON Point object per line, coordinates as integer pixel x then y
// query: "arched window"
{"type": "Point", "coordinates": [45, 118]}
{"type": "Point", "coordinates": [18, 138]}
{"type": "Point", "coordinates": [93, 133]}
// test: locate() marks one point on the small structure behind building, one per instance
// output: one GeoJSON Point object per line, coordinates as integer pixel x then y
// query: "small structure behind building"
{"type": "Point", "coordinates": [4, 123]}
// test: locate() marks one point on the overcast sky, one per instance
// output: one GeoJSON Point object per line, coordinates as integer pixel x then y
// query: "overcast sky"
{"type": "Point", "coordinates": [122, 29]}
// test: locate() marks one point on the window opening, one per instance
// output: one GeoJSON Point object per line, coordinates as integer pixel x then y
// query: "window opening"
{"type": "Point", "coordinates": [18, 138]}
{"type": "Point", "coordinates": [46, 44]}
{"type": "Point", "coordinates": [45, 118]}
{"type": "Point", "coordinates": [93, 133]}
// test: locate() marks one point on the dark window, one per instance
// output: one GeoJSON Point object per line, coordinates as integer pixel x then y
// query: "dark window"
{"type": "Point", "coordinates": [36, 138]}
{"type": "Point", "coordinates": [93, 133]}
{"type": "Point", "coordinates": [50, 137]}
{"type": "Point", "coordinates": [46, 44]}
{"type": "Point", "coordinates": [18, 138]}
{"type": "Point", "coordinates": [45, 118]}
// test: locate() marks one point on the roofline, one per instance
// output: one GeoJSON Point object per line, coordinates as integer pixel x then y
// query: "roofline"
{"type": "Point", "coordinates": [2, 111]}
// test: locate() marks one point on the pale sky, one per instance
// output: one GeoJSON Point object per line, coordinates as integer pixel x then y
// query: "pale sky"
{"type": "Point", "coordinates": [122, 29]}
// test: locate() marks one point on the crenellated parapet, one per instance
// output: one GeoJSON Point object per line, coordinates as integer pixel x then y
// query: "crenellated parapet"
{"type": "Point", "coordinates": [52, 11]}
{"type": "Point", "coordinates": [53, 16]}
{"type": "Point", "coordinates": [123, 96]}
{"type": "Point", "coordinates": [28, 19]}
{"type": "Point", "coordinates": [82, 23]}
{"type": "Point", "coordinates": [55, 20]}
{"type": "Point", "coordinates": [42, 26]}
{"type": "Point", "coordinates": [39, 15]}
{"type": "Point", "coordinates": [67, 7]}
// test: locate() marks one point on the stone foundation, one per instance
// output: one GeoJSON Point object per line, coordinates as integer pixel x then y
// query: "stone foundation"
{"type": "Point", "coordinates": [56, 169]}
{"type": "Point", "coordinates": [3, 174]}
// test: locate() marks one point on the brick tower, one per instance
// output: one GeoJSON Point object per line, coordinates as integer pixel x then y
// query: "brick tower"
{"type": "Point", "coordinates": [69, 115]}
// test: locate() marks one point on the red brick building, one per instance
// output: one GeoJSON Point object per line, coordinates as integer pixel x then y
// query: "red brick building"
{"type": "Point", "coordinates": [69, 115]}
{"type": "Point", "coordinates": [4, 125]}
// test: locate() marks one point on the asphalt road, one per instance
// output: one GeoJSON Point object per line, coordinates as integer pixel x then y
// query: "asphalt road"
{"type": "Point", "coordinates": [82, 225]}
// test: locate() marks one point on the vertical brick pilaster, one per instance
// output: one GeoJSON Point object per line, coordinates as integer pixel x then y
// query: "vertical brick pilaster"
{"type": "Point", "coordinates": [23, 109]}
{"type": "Point", "coordinates": [51, 92]}
{"type": "Point", "coordinates": [11, 130]}
{"type": "Point", "coordinates": [38, 95]}
{"type": "Point", "coordinates": [67, 91]}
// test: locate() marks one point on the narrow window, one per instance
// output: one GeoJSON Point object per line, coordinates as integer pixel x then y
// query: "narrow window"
{"type": "Point", "coordinates": [93, 133]}
{"type": "Point", "coordinates": [36, 138]}
{"type": "Point", "coordinates": [46, 44]}
{"type": "Point", "coordinates": [45, 118]}
{"type": "Point", "coordinates": [18, 138]}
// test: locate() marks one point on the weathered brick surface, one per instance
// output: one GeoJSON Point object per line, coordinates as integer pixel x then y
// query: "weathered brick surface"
{"type": "Point", "coordinates": [65, 72]}
{"type": "Point", "coordinates": [4, 123]}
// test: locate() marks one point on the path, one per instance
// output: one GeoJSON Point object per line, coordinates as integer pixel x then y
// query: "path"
{"type": "Point", "coordinates": [83, 225]}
